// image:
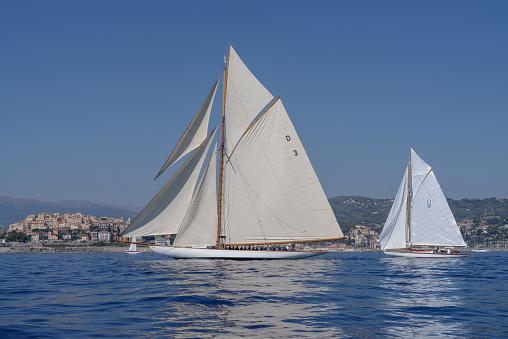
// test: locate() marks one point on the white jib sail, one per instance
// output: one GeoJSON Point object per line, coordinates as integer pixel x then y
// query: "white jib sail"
{"type": "Point", "coordinates": [245, 98]}
{"type": "Point", "coordinates": [394, 234]}
{"type": "Point", "coordinates": [165, 212]}
{"type": "Point", "coordinates": [432, 221]}
{"type": "Point", "coordinates": [199, 227]}
{"type": "Point", "coordinates": [272, 193]}
{"type": "Point", "coordinates": [195, 132]}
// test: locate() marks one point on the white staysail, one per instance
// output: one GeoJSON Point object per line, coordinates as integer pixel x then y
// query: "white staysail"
{"type": "Point", "coordinates": [394, 234]}
{"type": "Point", "coordinates": [199, 227]}
{"type": "Point", "coordinates": [165, 212]}
{"type": "Point", "coordinates": [195, 132]}
{"type": "Point", "coordinates": [430, 223]}
{"type": "Point", "coordinates": [245, 98]}
{"type": "Point", "coordinates": [272, 193]}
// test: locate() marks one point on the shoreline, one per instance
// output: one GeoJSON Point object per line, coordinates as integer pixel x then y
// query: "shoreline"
{"type": "Point", "coordinates": [65, 249]}
{"type": "Point", "coordinates": [69, 249]}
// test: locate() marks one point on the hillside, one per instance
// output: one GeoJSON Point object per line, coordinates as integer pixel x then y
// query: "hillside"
{"type": "Point", "coordinates": [349, 210]}
{"type": "Point", "coordinates": [356, 210]}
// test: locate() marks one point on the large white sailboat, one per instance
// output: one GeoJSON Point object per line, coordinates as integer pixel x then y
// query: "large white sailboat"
{"type": "Point", "coordinates": [420, 223]}
{"type": "Point", "coordinates": [268, 195]}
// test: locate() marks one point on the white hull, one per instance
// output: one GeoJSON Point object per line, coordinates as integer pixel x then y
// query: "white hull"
{"type": "Point", "coordinates": [133, 252]}
{"type": "Point", "coordinates": [480, 251]}
{"type": "Point", "coordinates": [424, 254]}
{"type": "Point", "coordinates": [204, 253]}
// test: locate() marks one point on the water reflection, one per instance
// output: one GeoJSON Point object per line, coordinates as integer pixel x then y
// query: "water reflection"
{"type": "Point", "coordinates": [423, 297]}
{"type": "Point", "coordinates": [268, 298]}
{"type": "Point", "coordinates": [359, 295]}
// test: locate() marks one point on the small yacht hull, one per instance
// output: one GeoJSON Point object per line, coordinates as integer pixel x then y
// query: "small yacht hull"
{"type": "Point", "coordinates": [418, 254]}
{"type": "Point", "coordinates": [480, 251]}
{"type": "Point", "coordinates": [134, 252]}
{"type": "Point", "coordinates": [204, 253]}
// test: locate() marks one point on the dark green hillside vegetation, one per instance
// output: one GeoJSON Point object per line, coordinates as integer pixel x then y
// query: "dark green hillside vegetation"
{"type": "Point", "coordinates": [478, 208]}
{"type": "Point", "coordinates": [351, 211]}
{"type": "Point", "coordinates": [356, 210]}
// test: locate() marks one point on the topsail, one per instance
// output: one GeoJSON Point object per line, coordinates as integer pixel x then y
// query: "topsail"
{"type": "Point", "coordinates": [194, 134]}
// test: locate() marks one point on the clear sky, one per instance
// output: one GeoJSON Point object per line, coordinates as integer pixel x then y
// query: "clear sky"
{"type": "Point", "coordinates": [95, 94]}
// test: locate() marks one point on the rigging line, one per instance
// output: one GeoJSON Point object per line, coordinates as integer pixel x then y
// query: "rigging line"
{"type": "Point", "coordinates": [419, 186]}
{"type": "Point", "coordinates": [269, 209]}
{"type": "Point", "coordinates": [253, 122]}
{"type": "Point", "coordinates": [142, 197]}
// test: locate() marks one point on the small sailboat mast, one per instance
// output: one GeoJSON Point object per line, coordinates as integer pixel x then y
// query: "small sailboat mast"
{"type": "Point", "coordinates": [409, 193]}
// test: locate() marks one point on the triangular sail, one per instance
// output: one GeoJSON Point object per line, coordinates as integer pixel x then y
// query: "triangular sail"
{"type": "Point", "coordinates": [394, 234]}
{"type": "Point", "coordinates": [245, 98]}
{"type": "Point", "coordinates": [199, 225]}
{"type": "Point", "coordinates": [132, 247]}
{"type": "Point", "coordinates": [195, 132]}
{"type": "Point", "coordinates": [272, 193]}
{"type": "Point", "coordinates": [432, 221]}
{"type": "Point", "coordinates": [165, 212]}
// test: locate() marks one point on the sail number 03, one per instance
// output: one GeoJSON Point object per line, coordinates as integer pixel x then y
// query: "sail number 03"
{"type": "Point", "coordinates": [288, 138]}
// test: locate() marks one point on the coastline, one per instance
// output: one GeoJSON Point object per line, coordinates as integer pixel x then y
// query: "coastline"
{"type": "Point", "coordinates": [65, 249]}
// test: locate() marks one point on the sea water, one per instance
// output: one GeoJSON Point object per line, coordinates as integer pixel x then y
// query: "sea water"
{"type": "Point", "coordinates": [340, 295]}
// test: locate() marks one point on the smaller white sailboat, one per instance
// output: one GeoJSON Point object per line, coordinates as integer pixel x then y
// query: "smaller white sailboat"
{"type": "Point", "coordinates": [420, 223]}
{"type": "Point", "coordinates": [133, 248]}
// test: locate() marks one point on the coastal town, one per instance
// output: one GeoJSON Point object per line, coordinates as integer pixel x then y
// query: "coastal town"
{"type": "Point", "coordinates": [65, 228]}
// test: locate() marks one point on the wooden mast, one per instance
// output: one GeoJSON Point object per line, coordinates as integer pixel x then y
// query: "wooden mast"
{"type": "Point", "coordinates": [409, 182]}
{"type": "Point", "coordinates": [219, 206]}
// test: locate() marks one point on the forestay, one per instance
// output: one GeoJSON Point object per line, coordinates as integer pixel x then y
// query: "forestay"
{"type": "Point", "coordinates": [272, 193]}
{"type": "Point", "coordinates": [199, 225]}
{"type": "Point", "coordinates": [195, 132]}
{"type": "Point", "coordinates": [165, 212]}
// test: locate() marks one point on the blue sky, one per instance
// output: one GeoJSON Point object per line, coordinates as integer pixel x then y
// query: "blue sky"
{"type": "Point", "coordinates": [94, 94]}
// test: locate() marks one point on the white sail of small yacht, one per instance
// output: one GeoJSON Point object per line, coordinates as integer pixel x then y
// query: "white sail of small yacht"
{"type": "Point", "coordinates": [420, 221]}
{"type": "Point", "coordinates": [263, 193]}
{"type": "Point", "coordinates": [133, 247]}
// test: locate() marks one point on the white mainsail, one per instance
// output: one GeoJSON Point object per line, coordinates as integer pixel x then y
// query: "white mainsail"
{"type": "Point", "coordinates": [245, 98]}
{"type": "Point", "coordinates": [165, 212]}
{"type": "Point", "coordinates": [195, 132]}
{"type": "Point", "coordinates": [199, 227]}
{"type": "Point", "coordinates": [272, 193]}
{"type": "Point", "coordinates": [430, 223]}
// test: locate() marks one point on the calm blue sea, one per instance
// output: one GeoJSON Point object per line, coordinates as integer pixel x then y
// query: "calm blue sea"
{"type": "Point", "coordinates": [350, 295]}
